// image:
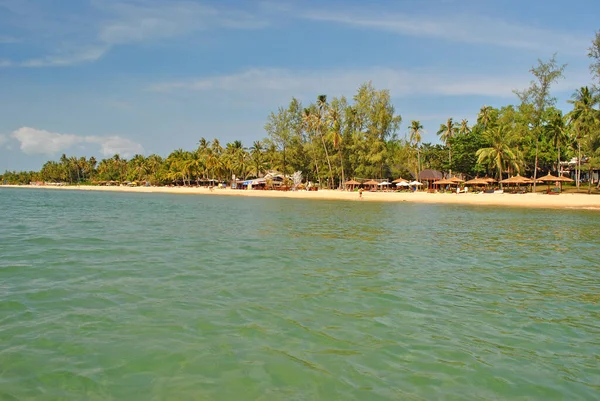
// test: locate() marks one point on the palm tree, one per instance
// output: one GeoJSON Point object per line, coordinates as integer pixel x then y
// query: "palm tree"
{"type": "Point", "coordinates": [415, 140]}
{"type": "Point", "coordinates": [321, 126]}
{"type": "Point", "coordinates": [256, 152]}
{"type": "Point", "coordinates": [309, 121]}
{"type": "Point", "coordinates": [485, 116]}
{"type": "Point", "coordinates": [583, 117]}
{"type": "Point", "coordinates": [500, 154]}
{"type": "Point", "coordinates": [336, 136]}
{"type": "Point", "coordinates": [559, 132]}
{"type": "Point", "coordinates": [446, 133]}
{"type": "Point", "coordinates": [464, 128]}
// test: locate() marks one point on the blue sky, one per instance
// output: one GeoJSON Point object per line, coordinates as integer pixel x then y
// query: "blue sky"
{"type": "Point", "coordinates": [95, 77]}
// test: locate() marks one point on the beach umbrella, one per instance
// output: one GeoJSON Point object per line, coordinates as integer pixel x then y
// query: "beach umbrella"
{"type": "Point", "coordinates": [371, 183]}
{"type": "Point", "coordinates": [399, 180]}
{"type": "Point", "coordinates": [517, 179]}
{"type": "Point", "coordinates": [456, 180]}
{"type": "Point", "coordinates": [351, 184]}
{"type": "Point", "coordinates": [403, 184]}
{"type": "Point", "coordinates": [413, 183]}
{"type": "Point", "coordinates": [445, 182]}
{"type": "Point", "coordinates": [548, 178]}
{"type": "Point", "coordinates": [384, 183]}
{"type": "Point", "coordinates": [477, 181]}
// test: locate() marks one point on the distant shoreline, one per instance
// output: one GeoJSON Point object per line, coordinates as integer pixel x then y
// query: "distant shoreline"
{"type": "Point", "coordinates": [562, 201]}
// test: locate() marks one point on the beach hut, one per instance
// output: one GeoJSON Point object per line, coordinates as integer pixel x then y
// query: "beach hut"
{"type": "Point", "coordinates": [430, 176]}
{"type": "Point", "coordinates": [351, 185]}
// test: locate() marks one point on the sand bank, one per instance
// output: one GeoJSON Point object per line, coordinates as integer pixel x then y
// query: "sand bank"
{"type": "Point", "coordinates": [562, 201]}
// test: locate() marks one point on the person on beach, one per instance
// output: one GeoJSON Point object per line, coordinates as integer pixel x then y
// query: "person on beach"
{"type": "Point", "coordinates": [360, 193]}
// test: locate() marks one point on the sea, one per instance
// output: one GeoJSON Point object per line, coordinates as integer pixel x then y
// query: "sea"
{"type": "Point", "coordinates": [128, 296]}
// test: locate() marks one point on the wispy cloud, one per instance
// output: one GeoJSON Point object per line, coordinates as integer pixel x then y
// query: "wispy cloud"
{"type": "Point", "coordinates": [41, 142]}
{"type": "Point", "coordinates": [9, 39]}
{"type": "Point", "coordinates": [135, 22]}
{"type": "Point", "coordinates": [473, 29]}
{"type": "Point", "coordinates": [337, 82]}
{"type": "Point", "coordinates": [122, 22]}
{"type": "Point", "coordinates": [61, 60]}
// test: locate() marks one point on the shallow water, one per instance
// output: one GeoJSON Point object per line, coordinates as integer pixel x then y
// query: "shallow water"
{"type": "Point", "coordinates": [152, 297]}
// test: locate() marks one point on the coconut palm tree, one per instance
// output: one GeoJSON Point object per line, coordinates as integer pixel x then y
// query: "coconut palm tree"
{"type": "Point", "coordinates": [415, 141]}
{"type": "Point", "coordinates": [309, 120]}
{"type": "Point", "coordinates": [464, 128]}
{"type": "Point", "coordinates": [484, 117]}
{"type": "Point", "coordinates": [583, 118]}
{"type": "Point", "coordinates": [500, 155]}
{"type": "Point", "coordinates": [558, 131]}
{"type": "Point", "coordinates": [323, 108]}
{"type": "Point", "coordinates": [334, 120]}
{"type": "Point", "coordinates": [446, 133]}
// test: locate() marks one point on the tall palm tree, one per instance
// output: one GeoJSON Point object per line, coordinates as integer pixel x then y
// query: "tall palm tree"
{"type": "Point", "coordinates": [558, 131]}
{"type": "Point", "coordinates": [446, 133]}
{"type": "Point", "coordinates": [323, 108]}
{"type": "Point", "coordinates": [336, 136]}
{"type": "Point", "coordinates": [309, 119]}
{"type": "Point", "coordinates": [415, 140]}
{"type": "Point", "coordinates": [583, 118]}
{"type": "Point", "coordinates": [484, 117]}
{"type": "Point", "coordinates": [499, 155]}
{"type": "Point", "coordinates": [464, 128]}
{"type": "Point", "coordinates": [256, 152]}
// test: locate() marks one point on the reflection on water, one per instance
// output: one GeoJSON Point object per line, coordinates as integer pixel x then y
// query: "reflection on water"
{"type": "Point", "coordinates": [137, 297]}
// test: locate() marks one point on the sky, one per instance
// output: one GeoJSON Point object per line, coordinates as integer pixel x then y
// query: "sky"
{"type": "Point", "coordinates": [99, 77]}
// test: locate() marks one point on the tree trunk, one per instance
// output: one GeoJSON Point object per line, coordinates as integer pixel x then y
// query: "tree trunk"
{"type": "Point", "coordinates": [342, 167]}
{"type": "Point", "coordinates": [578, 175]}
{"type": "Point", "coordinates": [330, 180]}
{"type": "Point", "coordinates": [536, 164]}
{"type": "Point", "coordinates": [450, 159]}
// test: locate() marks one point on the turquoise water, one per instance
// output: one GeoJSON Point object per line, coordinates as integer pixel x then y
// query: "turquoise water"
{"type": "Point", "coordinates": [115, 296]}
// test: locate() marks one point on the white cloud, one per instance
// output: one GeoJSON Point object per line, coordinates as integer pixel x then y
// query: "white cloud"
{"type": "Point", "coordinates": [34, 141]}
{"type": "Point", "coordinates": [336, 82]}
{"type": "Point", "coordinates": [475, 29]}
{"type": "Point", "coordinates": [115, 144]}
{"type": "Point", "coordinates": [119, 22]}
{"type": "Point", "coordinates": [8, 39]}
{"type": "Point", "coordinates": [82, 56]}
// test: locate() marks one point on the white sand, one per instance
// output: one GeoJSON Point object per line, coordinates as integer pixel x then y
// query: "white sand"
{"type": "Point", "coordinates": [567, 201]}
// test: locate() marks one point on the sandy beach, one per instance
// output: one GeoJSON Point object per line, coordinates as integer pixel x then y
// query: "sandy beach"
{"type": "Point", "coordinates": [562, 201]}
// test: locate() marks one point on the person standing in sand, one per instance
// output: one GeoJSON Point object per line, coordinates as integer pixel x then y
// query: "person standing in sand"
{"type": "Point", "coordinates": [360, 193]}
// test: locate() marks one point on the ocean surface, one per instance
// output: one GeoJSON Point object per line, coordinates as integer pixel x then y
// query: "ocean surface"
{"type": "Point", "coordinates": [121, 296]}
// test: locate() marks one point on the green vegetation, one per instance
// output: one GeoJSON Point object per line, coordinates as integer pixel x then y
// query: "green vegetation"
{"type": "Point", "coordinates": [330, 141]}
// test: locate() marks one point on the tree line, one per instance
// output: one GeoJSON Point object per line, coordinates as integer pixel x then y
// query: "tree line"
{"type": "Point", "coordinates": [333, 140]}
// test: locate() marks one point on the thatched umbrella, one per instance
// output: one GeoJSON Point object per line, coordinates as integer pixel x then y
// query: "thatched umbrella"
{"type": "Point", "coordinates": [352, 184]}
{"type": "Point", "coordinates": [477, 181]}
{"type": "Point", "coordinates": [371, 183]}
{"type": "Point", "coordinates": [445, 181]}
{"type": "Point", "coordinates": [548, 178]}
{"type": "Point", "coordinates": [517, 179]}
{"type": "Point", "coordinates": [399, 180]}
{"type": "Point", "coordinates": [456, 180]}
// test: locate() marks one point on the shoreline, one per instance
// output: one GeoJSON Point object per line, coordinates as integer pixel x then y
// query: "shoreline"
{"type": "Point", "coordinates": [528, 200]}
